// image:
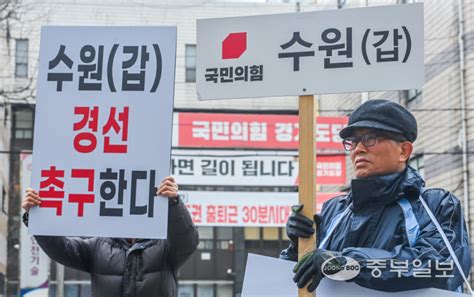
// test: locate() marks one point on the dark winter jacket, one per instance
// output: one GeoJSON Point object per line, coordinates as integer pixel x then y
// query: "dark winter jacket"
{"type": "Point", "coordinates": [146, 268]}
{"type": "Point", "coordinates": [375, 229]}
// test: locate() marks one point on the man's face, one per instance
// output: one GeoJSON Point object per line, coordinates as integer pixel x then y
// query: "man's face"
{"type": "Point", "coordinates": [385, 157]}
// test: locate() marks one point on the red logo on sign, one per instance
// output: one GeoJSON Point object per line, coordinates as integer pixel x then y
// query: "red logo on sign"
{"type": "Point", "coordinates": [234, 45]}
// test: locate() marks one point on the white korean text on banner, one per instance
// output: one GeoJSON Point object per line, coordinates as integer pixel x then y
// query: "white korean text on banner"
{"type": "Point", "coordinates": [34, 264]}
{"type": "Point", "coordinates": [334, 51]}
{"type": "Point", "coordinates": [103, 130]}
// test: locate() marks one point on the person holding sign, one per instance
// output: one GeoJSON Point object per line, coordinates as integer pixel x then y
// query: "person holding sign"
{"type": "Point", "coordinates": [128, 267]}
{"type": "Point", "coordinates": [402, 235]}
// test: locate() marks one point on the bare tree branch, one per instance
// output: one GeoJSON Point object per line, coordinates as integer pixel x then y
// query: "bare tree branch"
{"type": "Point", "coordinates": [11, 12]}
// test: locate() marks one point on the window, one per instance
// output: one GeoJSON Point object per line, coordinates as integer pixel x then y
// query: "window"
{"type": "Point", "coordinates": [21, 58]}
{"type": "Point", "coordinates": [265, 233]}
{"type": "Point", "coordinates": [185, 291]}
{"type": "Point", "coordinates": [252, 233]}
{"type": "Point", "coordinates": [224, 291]}
{"type": "Point", "coordinates": [413, 97]}
{"type": "Point", "coordinates": [224, 233]}
{"type": "Point", "coordinates": [224, 238]}
{"type": "Point", "coordinates": [71, 289]}
{"type": "Point", "coordinates": [205, 291]}
{"type": "Point", "coordinates": [190, 63]}
{"type": "Point", "coordinates": [206, 232]}
{"type": "Point", "coordinates": [23, 124]}
{"type": "Point", "coordinates": [271, 233]}
{"type": "Point", "coordinates": [418, 163]}
{"type": "Point", "coordinates": [206, 236]}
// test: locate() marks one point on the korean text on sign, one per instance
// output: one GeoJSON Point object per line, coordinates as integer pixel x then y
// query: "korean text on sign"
{"type": "Point", "coordinates": [94, 162]}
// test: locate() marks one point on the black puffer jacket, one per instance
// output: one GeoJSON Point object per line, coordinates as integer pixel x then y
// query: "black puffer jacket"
{"type": "Point", "coordinates": [374, 228]}
{"type": "Point", "coordinates": [145, 269]}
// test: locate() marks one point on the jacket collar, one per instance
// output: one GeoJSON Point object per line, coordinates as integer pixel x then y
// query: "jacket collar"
{"type": "Point", "coordinates": [385, 189]}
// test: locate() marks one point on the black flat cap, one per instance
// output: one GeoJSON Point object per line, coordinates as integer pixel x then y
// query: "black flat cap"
{"type": "Point", "coordinates": [382, 115]}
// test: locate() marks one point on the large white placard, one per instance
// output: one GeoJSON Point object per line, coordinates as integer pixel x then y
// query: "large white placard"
{"type": "Point", "coordinates": [346, 50]}
{"type": "Point", "coordinates": [258, 282]}
{"type": "Point", "coordinates": [103, 130]}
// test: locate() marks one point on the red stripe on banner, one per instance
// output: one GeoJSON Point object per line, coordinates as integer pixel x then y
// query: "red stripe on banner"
{"type": "Point", "coordinates": [220, 130]}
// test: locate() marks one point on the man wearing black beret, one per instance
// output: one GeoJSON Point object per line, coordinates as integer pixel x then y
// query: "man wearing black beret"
{"type": "Point", "coordinates": [402, 235]}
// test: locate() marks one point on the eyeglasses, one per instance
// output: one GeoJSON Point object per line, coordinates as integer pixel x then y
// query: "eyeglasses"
{"type": "Point", "coordinates": [368, 140]}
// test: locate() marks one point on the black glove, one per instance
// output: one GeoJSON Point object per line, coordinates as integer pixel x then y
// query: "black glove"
{"type": "Point", "coordinates": [298, 225]}
{"type": "Point", "coordinates": [310, 268]}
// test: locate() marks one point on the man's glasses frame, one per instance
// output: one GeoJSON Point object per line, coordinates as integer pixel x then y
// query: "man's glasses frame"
{"type": "Point", "coordinates": [369, 140]}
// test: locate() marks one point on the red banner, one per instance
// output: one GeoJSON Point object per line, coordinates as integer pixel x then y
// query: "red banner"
{"type": "Point", "coordinates": [227, 130]}
{"type": "Point", "coordinates": [330, 170]}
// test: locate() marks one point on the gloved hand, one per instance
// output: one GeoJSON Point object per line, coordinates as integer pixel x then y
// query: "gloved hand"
{"type": "Point", "coordinates": [298, 225]}
{"type": "Point", "coordinates": [310, 268]}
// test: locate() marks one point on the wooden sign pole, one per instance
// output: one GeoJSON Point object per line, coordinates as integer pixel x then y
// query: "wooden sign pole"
{"type": "Point", "coordinates": [307, 172]}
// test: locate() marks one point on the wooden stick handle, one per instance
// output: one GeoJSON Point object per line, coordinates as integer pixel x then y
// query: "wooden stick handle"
{"type": "Point", "coordinates": [307, 172]}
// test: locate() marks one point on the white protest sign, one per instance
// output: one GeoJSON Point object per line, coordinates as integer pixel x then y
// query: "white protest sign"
{"type": "Point", "coordinates": [335, 51]}
{"type": "Point", "coordinates": [103, 131]}
{"type": "Point", "coordinates": [259, 282]}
